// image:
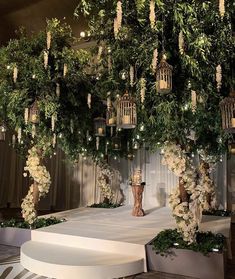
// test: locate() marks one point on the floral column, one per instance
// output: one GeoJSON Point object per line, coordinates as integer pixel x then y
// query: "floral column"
{"type": "Point", "coordinates": [39, 187]}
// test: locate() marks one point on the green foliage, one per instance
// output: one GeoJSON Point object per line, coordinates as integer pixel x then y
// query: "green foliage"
{"type": "Point", "coordinates": [38, 223]}
{"type": "Point", "coordinates": [205, 242]}
{"type": "Point", "coordinates": [105, 205]}
{"type": "Point", "coordinates": [208, 42]}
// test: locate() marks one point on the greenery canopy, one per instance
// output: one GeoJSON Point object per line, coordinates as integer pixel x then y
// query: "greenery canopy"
{"type": "Point", "coordinates": [208, 42]}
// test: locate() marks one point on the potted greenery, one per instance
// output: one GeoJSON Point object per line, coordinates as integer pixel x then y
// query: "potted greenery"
{"type": "Point", "coordinates": [203, 259]}
{"type": "Point", "coordinates": [15, 233]}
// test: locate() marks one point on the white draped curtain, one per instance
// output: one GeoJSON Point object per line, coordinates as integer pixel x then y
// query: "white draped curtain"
{"type": "Point", "coordinates": [76, 185]}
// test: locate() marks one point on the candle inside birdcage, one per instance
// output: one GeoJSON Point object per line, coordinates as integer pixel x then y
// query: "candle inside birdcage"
{"type": "Point", "coordinates": [100, 127]}
{"type": "Point", "coordinates": [111, 117]}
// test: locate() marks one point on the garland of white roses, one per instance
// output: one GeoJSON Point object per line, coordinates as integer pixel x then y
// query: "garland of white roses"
{"type": "Point", "coordinates": [105, 177]}
{"type": "Point", "coordinates": [41, 179]}
{"type": "Point", "coordinates": [187, 214]}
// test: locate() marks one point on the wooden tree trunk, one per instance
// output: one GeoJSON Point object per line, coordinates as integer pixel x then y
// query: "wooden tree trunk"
{"type": "Point", "coordinates": [35, 195]}
{"type": "Point", "coordinates": [184, 197]}
{"type": "Point", "coordinates": [137, 191]}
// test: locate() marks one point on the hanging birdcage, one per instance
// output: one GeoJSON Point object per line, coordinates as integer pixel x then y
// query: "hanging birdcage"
{"type": "Point", "coordinates": [116, 143]}
{"type": "Point", "coordinates": [34, 113]}
{"type": "Point", "coordinates": [126, 112]}
{"type": "Point", "coordinates": [227, 108]}
{"type": "Point", "coordinates": [111, 117]}
{"type": "Point", "coordinates": [164, 77]}
{"type": "Point", "coordinates": [100, 127]}
{"type": "Point", "coordinates": [3, 129]}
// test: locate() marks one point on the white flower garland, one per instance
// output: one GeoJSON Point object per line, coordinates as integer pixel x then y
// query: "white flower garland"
{"type": "Point", "coordinates": [152, 16]}
{"type": "Point", "coordinates": [154, 60]}
{"type": "Point", "coordinates": [142, 89]}
{"type": "Point", "coordinates": [188, 214]}
{"type": "Point", "coordinates": [222, 7]}
{"type": "Point", "coordinates": [132, 75]}
{"type": "Point", "coordinates": [219, 77]}
{"type": "Point", "coordinates": [105, 177]}
{"type": "Point", "coordinates": [181, 42]}
{"type": "Point", "coordinates": [117, 24]}
{"type": "Point", "coordinates": [41, 179]}
{"type": "Point", "coordinates": [15, 74]}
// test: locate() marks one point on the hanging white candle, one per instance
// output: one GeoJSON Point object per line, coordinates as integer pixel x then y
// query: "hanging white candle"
{"type": "Point", "coordinates": [15, 74]}
{"type": "Point", "coordinates": [193, 100]}
{"type": "Point", "coordinates": [71, 126]}
{"type": "Point", "coordinates": [19, 134]}
{"type": "Point", "coordinates": [152, 16]}
{"type": "Point", "coordinates": [97, 143]}
{"type": "Point", "coordinates": [45, 56]}
{"type": "Point", "coordinates": [54, 140]}
{"type": "Point", "coordinates": [13, 140]}
{"type": "Point", "coordinates": [26, 116]}
{"type": "Point", "coordinates": [48, 40]}
{"type": "Point", "coordinates": [65, 70]}
{"type": "Point", "coordinates": [154, 60]}
{"type": "Point", "coordinates": [142, 89]}
{"type": "Point", "coordinates": [33, 131]}
{"type": "Point", "coordinates": [119, 14]}
{"type": "Point", "coordinates": [53, 120]}
{"type": "Point", "coordinates": [57, 90]}
{"type": "Point", "coordinates": [219, 77]}
{"type": "Point", "coordinates": [89, 100]}
{"type": "Point", "coordinates": [132, 74]}
{"type": "Point", "coordinates": [222, 7]}
{"type": "Point", "coordinates": [181, 42]}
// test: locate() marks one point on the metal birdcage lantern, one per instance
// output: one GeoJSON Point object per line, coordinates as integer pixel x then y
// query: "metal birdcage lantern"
{"type": "Point", "coordinates": [3, 129]}
{"type": "Point", "coordinates": [100, 127]}
{"type": "Point", "coordinates": [34, 113]}
{"type": "Point", "coordinates": [111, 117]}
{"type": "Point", "coordinates": [126, 112]}
{"type": "Point", "coordinates": [227, 108]}
{"type": "Point", "coordinates": [116, 143]}
{"type": "Point", "coordinates": [164, 77]}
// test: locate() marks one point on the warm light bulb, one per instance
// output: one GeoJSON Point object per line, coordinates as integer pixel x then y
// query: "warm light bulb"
{"type": "Point", "coordinates": [82, 34]}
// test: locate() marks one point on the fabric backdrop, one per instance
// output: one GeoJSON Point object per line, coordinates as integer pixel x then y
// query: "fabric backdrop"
{"type": "Point", "coordinates": [76, 185]}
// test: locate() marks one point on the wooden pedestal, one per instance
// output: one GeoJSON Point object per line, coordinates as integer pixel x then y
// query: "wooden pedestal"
{"type": "Point", "coordinates": [137, 191]}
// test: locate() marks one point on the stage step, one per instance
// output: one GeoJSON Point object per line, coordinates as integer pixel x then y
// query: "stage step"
{"type": "Point", "coordinates": [64, 262]}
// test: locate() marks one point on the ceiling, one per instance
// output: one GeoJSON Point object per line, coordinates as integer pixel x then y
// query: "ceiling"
{"type": "Point", "coordinates": [32, 14]}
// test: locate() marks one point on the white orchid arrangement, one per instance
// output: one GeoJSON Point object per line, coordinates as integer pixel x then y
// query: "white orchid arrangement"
{"type": "Point", "coordinates": [105, 177]}
{"type": "Point", "coordinates": [41, 179]}
{"type": "Point", "coordinates": [188, 214]}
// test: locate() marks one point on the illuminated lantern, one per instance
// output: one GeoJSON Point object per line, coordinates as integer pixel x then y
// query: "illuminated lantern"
{"type": "Point", "coordinates": [164, 77]}
{"type": "Point", "coordinates": [34, 113]}
{"type": "Point", "coordinates": [100, 127]}
{"type": "Point", "coordinates": [126, 112]}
